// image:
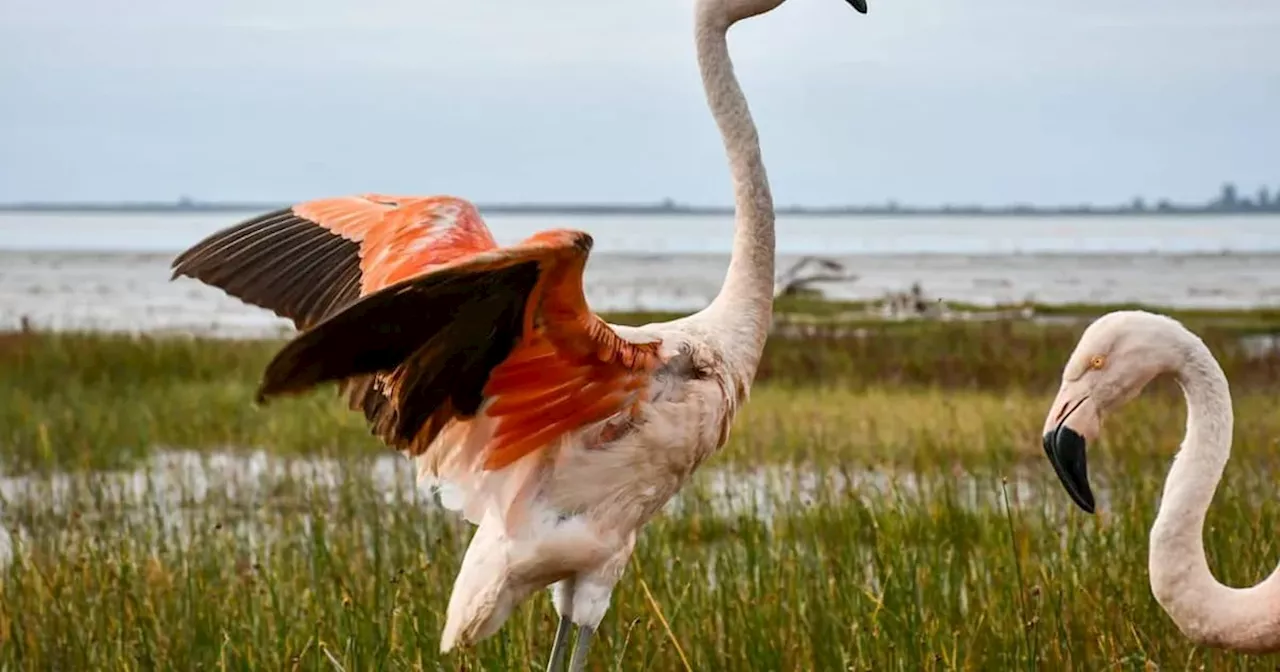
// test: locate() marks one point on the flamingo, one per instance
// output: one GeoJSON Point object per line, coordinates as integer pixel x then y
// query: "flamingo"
{"type": "Point", "coordinates": [557, 434]}
{"type": "Point", "coordinates": [1117, 355]}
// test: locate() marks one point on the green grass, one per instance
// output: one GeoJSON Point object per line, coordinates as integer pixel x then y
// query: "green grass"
{"type": "Point", "coordinates": [969, 556]}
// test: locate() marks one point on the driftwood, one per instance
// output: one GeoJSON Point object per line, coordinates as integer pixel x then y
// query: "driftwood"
{"type": "Point", "coordinates": [793, 283]}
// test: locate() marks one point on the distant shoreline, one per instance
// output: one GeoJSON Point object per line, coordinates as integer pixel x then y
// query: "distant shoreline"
{"type": "Point", "coordinates": [667, 209]}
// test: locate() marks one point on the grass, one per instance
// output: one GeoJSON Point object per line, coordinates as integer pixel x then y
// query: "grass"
{"type": "Point", "coordinates": [883, 504]}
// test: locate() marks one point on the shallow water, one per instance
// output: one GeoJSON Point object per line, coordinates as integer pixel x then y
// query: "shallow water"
{"type": "Point", "coordinates": [253, 491]}
{"type": "Point", "coordinates": [666, 235]}
{"type": "Point", "coordinates": [133, 292]}
{"type": "Point", "coordinates": [111, 271]}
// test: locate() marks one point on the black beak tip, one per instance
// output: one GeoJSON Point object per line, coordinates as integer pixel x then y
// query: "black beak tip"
{"type": "Point", "coordinates": [860, 5]}
{"type": "Point", "coordinates": [1066, 451]}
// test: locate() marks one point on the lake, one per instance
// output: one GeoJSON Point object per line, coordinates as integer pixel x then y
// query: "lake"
{"type": "Point", "coordinates": [110, 271]}
{"type": "Point", "coordinates": [710, 234]}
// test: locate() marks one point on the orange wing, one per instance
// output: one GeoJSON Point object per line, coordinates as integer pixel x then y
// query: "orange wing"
{"type": "Point", "coordinates": [306, 262]}
{"type": "Point", "coordinates": [452, 326]}
{"type": "Point", "coordinates": [569, 368]}
{"type": "Point", "coordinates": [309, 261]}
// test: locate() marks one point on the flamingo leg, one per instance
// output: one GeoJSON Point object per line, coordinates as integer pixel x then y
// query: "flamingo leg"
{"type": "Point", "coordinates": [579, 662]}
{"type": "Point", "coordinates": [558, 648]}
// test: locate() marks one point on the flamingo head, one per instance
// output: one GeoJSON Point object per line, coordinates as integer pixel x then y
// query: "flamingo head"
{"type": "Point", "coordinates": [1115, 358]}
{"type": "Point", "coordinates": [737, 10]}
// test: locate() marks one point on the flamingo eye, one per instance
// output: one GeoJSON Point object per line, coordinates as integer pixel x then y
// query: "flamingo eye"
{"type": "Point", "coordinates": [1097, 362]}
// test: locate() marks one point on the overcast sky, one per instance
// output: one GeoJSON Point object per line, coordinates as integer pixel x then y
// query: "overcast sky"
{"type": "Point", "coordinates": [923, 101]}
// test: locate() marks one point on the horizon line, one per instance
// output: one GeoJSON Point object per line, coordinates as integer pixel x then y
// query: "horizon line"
{"type": "Point", "coordinates": [671, 207]}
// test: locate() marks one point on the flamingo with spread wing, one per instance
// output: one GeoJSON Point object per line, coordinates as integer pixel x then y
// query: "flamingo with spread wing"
{"type": "Point", "coordinates": [557, 434]}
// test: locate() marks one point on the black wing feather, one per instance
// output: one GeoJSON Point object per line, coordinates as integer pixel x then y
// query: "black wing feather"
{"type": "Point", "coordinates": [293, 267]}
{"type": "Point", "coordinates": [279, 261]}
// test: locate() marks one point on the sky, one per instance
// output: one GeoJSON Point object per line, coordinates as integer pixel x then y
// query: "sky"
{"type": "Point", "coordinates": [920, 101]}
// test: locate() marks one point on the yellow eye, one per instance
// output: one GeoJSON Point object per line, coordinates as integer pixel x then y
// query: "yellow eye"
{"type": "Point", "coordinates": [1097, 362]}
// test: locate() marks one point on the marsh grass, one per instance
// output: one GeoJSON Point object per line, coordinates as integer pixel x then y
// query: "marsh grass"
{"type": "Point", "coordinates": [101, 401]}
{"type": "Point", "coordinates": [989, 570]}
{"type": "Point", "coordinates": [888, 510]}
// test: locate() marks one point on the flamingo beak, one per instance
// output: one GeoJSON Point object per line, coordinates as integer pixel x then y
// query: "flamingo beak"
{"type": "Point", "coordinates": [1065, 439]}
{"type": "Point", "coordinates": [860, 5]}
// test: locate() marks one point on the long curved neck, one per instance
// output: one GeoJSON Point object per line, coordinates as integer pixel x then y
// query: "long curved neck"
{"type": "Point", "coordinates": [743, 309]}
{"type": "Point", "coordinates": [1204, 609]}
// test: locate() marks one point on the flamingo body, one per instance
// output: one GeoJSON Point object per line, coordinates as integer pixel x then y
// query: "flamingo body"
{"type": "Point", "coordinates": [557, 434]}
